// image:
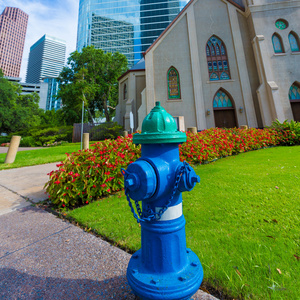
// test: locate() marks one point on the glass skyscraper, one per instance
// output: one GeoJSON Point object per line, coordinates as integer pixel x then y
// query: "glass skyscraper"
{"type": "Point", "coordinates": [46, 59]}
{"type": "Point", "coordinates": [127, 26]}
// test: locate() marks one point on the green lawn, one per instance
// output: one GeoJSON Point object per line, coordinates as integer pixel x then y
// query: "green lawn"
{"type": "Point", "coordinates": [243, 221]}
{"type": "Point", "coordinates": [40, 156]}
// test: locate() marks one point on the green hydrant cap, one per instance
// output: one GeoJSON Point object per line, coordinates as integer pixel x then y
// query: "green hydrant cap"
{"type": "Point", "coordinates": [159, 127]}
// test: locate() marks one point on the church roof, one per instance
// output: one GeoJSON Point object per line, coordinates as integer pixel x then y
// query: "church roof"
{"type": "Point", "coordinates": [238, 3]}
{"type": "Point", "coordinates": [139, 66]}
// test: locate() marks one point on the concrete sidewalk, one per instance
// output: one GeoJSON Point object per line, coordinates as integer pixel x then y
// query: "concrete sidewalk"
{"type": "Point", "coordinates": [44, 257]}
{"type": "Point", "coordinates": [17, 186]}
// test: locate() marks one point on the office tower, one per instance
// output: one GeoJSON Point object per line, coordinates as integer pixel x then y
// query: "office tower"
{"type": "Point", "coordinates": [46, 59]}
{"type": "Point", "coordinates": [53, 86]}
{"type": "Point", "coordinates": [129, 27]}
{"type": "Point", "coordinates": [13, 26]}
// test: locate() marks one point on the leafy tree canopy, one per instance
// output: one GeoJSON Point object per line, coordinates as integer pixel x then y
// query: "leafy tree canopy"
{"type": "Point", "coordinates": [91, 76]}
{"type": "Point", "coordinates": [17, 111]}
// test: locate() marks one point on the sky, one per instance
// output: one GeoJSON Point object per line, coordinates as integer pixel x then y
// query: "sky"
{"type": "Point", "coordinates": [57, 18]}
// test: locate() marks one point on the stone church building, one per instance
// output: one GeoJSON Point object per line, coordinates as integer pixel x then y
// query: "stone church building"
{"type": "Point", "coordinates": [220, 63]}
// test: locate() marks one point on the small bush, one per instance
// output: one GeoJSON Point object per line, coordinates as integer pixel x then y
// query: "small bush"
{"type": "Point", "coordinates": [4, 139]}
{"type": "Point", "coordinates": [27, 141]}
{"type": "Point", "coordinates": [87, 175]}
{"type": "Point", "coordinates": [41, 136]}
{"type": "Point", "coordinates": [109, 130]}
{"type": "Point", "coordinates": [288, 132]}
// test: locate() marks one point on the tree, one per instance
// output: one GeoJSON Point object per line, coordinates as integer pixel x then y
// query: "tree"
{"type": "Point", "coordinates": [17, 111]}
{"type": "Point", "coordinates": [91, 76]}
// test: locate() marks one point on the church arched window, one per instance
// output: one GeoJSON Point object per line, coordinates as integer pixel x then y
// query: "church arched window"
{"type": "Point", "coordinates": [277, 43]}
{"type": "Point", "coordinates": [125, 91]}
{"type": "Point", "coordinates": [294, 96]}
{"type": "Point", "coordinates": [217, 60]}
{"type": "Point", "coordinates": [294, 42]}
{"type": "Point", "coordinates": [173, 84]}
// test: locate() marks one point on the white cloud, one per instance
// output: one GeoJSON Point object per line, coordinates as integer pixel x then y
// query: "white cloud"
{"type": "Point", "coordinates": [54, 17]}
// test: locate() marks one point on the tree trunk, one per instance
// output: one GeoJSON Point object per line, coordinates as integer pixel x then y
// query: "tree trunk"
{"type": "Point", "coordinates": [107, 116]}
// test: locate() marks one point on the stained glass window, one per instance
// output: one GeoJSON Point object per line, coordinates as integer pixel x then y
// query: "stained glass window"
{"type": "Point", "coordinates": [213, 51]}
{"type": "Point", "coordinates": [173, 84]}
{"type": "Point", "coordinates": [294, 42]}
{"type": "Point", "coordinates": [281, 24]}
{"type": "Point", "coordinates": [294, 92]}
{"type": "Point", "coordinates": [217, 62]}
{"type": "Point", "coordinates": [222, 100]}
{"type": "Point", "coordinates": [220, 65]}
{"type": "Point", "coordinates": [277, 44]}
{"type": "Point", "coordinates": [207, 51]}
{"type": "Point", "coordinates": [223, 50]}
{"type": "Point", "coordinates": [125, 92]}
{"type": "Point", "coordinates": [209, 66]}
{"type": "Point", "coordinates": [214, 76]}
{"type": "Point", "coordinates": [224, 76]}
{"type": "Point", "coordinates": [215, 65]}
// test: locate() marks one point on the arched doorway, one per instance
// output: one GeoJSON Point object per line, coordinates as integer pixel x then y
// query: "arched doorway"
{"type": "Point", "coordinates": [224, 110]}
{"type": "Point", "coordinates": [294, 96]}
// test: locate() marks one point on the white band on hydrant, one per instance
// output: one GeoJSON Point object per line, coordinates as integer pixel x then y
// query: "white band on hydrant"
{"type": "Point", "coordinates": [172, 213]}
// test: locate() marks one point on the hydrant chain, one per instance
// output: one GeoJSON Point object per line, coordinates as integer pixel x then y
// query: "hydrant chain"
{"type": "Point", "coordinates": [151, 214]}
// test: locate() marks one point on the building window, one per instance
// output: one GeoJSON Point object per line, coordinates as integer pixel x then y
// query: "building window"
{"type": "Point", "coordinates": [281, 24]}
{"type": "Point", "coordinates": [125, 92]}
{"type": "Point", "coordinates": [294, 92]}
{"type": "Point", "coordinates": [217, 61]}
{"type": "Point", "coordinates": [222, 100]}
{"type": "Point", "coordinates": [294, 42]}
{"type": "Point", "coordinates": [277, 43]}
{"type": "Point", "coordinates": [294, 96]}
{"type": "Point", "coordinates": [173, 84]}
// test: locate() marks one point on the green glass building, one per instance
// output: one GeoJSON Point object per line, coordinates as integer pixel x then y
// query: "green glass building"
{"type": "Point", "coordinates": [127, 26]}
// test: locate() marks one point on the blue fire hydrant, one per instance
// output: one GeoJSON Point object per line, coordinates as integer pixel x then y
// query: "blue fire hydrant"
{"type": "Point", "coordinates": [164, 268]}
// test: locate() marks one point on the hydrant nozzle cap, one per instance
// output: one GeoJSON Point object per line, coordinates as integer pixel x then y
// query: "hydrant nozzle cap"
{"type": "Point", "coordinates": [159, 127]}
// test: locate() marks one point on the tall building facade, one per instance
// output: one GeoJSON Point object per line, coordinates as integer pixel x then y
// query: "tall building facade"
{"type": "Point", "coordinates": [129, 27]}
{"type": "Point", "coordinates": [13, 27]}
{"type": "Point", "coordinates": [46, 59]}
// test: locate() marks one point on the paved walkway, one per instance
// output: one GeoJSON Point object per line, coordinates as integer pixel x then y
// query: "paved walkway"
{"type": "Point", "coordinates": [5, 149]}
{"type": "Point", "coordinates": [44, 257]}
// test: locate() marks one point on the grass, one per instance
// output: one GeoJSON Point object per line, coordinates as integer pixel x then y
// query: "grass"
{"type": "Point", "coordinates": [40, 156]}
{"type": "Point", "coordinates": [243, 222]}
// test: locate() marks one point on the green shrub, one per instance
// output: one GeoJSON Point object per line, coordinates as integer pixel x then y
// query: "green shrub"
{"type": "Point", "coordinates": [87, 175]}
{"type": "Point", "coordinates": [108, 130]}
{"type": "Point", "coordinates": [4, 139]}
{"type": "Point", "coordinates": [288, 132]}
{"type": "Point", "coordinates": [27, 141]}
{"type": "Point", "coordinates": [45, 136]}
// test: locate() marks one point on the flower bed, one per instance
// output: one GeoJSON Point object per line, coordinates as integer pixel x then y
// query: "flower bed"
{"type": "Point", "coordinates": [215, 143]}
{"type": "Point", "coordinates": [85, 176]}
